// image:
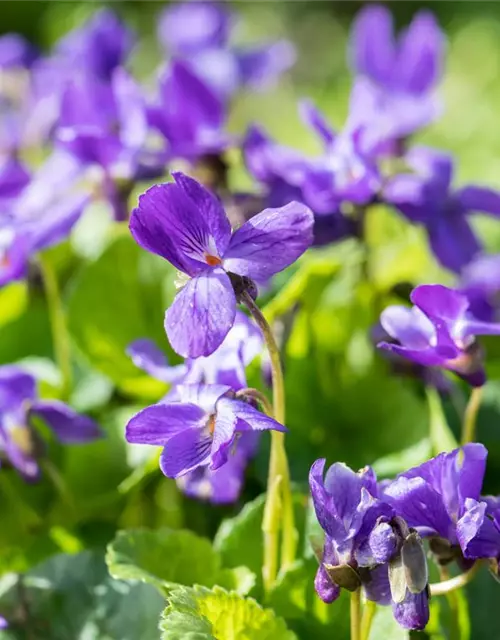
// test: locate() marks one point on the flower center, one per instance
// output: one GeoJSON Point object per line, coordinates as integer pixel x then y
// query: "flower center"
{"type": "Point", "coordinates": [21, 437]}
{"type": "Point", "coordinates": [211, 260]}
{"type": "Point", "coordinates": [211, 424]}
{"type": "Point", "coordinates": [4, 261]}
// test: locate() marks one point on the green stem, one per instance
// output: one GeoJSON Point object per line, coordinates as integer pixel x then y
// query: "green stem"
{"type": "Point", "coordinates": [356, 615]}
{"type": "Point", "coordinates": [470, 416]}
{"type": "Point", "coordinates": [443, 588]}
{"type": "Point", "coordinates": [278, 510]}
{"type": "Point", "coordinates": [451, 596]}
{"type": "Point", "coordinates": [60, 336]}
{"type": "Point", "coordinates": [366, 621]}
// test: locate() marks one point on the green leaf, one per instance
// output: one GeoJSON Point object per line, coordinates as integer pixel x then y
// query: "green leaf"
{"type": "Point", "coordinates": [204, 614]}
{"type": "Point", "coordinates": [295, 599]}
{"type": "Point", "coordinates": [314, 274]}
{"type": "Point", "coordinates": [115, 300]}
{"type": "Point", "coordinates": [239, 539]}
{"type": "Point", "coordinates": [442, 437]}
{"type": "Point", "coordinates": [166, 558]}
{"type": "Point", "coordinates": [385, 626]}
{"type": "Point", "coordinates": [72, 596]}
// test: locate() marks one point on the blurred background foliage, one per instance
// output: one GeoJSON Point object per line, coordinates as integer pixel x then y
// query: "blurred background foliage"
{"type": "Point", "coordinates": [343, 402]}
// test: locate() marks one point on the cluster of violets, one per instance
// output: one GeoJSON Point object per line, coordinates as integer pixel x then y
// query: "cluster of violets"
{"type": "Point", "coordinates": [101, 134]}
{"type": "Point", "coordinates": [374, 530]}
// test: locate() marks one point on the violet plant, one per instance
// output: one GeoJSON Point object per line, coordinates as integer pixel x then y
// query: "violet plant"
{"type": "Point", "coordinates": [204, 315]}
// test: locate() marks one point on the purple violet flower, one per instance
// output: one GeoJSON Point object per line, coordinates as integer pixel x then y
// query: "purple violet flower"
{"type": "Point", "coordinates": [185, 224]}
{"type": "Point", "coordinates": [433, 497]}
{"type": "Point", "coordinates": [439, 331]}
{"type": "Point", "coordinates": [425, 196]}
{"type": "Point", "coordinates": [99, 46]}
{"type": "Point", "coordinates": [393, 94]}
{"type": "Point", "coordinates": [226, 365]}
{"type": "Point", "coordinates": [19, 404]}
{"type": "Point", "coordinates": [188, 114]}
{"type": "Point", "coordinates": [363, 537]}
{"type": "Point", "coordinates": [198, 430]}
{"type": "Point", "coordinates": [478, 530]}
{"type": "Point", "coordinates": [344, 173]}
{"type": "Point", "coordinates": [198, 33]}
{"type": "Point", "coordinates": [284, 172]}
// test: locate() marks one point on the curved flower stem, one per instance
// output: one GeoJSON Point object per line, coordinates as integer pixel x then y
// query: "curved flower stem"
{"type": "Point", "coordinates": [443, 588]}
{"type": "Point", "coordinates": [356, 615]}
{"type": "Point", "coordinates": [60, 337]}
{"type": "Point", "coordinates": [279, 505]}
{"type": "Point", "coordinates": [366, 621]}
{"type": "Point", "coordinates": [470, 416]}
{"type": "Point", "coordinates": [255, 394]}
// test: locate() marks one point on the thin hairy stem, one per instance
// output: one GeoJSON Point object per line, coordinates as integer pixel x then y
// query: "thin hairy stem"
{"type": "Point", "coordinates": [278, 512]}
{"type": "Point", "coordinates": [60, 336]}
{"type": "Point", "coordinates": [470, 416]}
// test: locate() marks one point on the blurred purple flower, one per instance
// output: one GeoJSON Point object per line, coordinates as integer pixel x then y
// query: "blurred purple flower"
{"type": "Point", "coordinates": [19, 404]}
{"type": "Point", "coordinates": [425, 196]}
{"type": "Point", "coordinates": [344, 173]}
{"type": "Point", "coordinates": [480, 282]}
{"type": "Point", "coordinates": [198, 33]}
{"type": "Point", "coordinates": [104, 126]}
{"type": "Point", "coordinates": [393, 95]}
{"type": "Point", "coordinates": [185, 223]}
{"type": "Point", "coordinates": [42, 214]}
{"type": "Point", "coordinates": [289, 175]}
{"type": "Point", "coordinates": [99, 46]}
{"type": "Point", "coordinates": [188, 114]}
{"type": "Point", "coordinates": [14, 177]}
{"type": "Point", "coordinates": [439, 331]}
{"type": "Point", "coordinates": [226, 365]}
{"type": "Point", "coordinates": [15, 52]}
{"type": "Point", "coordinates": [198, 430]}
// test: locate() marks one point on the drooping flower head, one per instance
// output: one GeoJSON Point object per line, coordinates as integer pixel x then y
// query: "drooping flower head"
{"type": "Point", "coordinates": [439, 331]}
{"type": "Point", "coordinates": [185, 224]}
{"type": "Point", "coordinates": [425, 196]}
{"type": "Point", "coordinates": [365, 542]}
{"type": "Point", "coordinates": [394, 92]}
{"type": "Point", "coordinates": [198, 33]}
{"type": "Point", "coordinates": [198, 430]}
{"type": "Point", "coordinates": [20, 444]}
